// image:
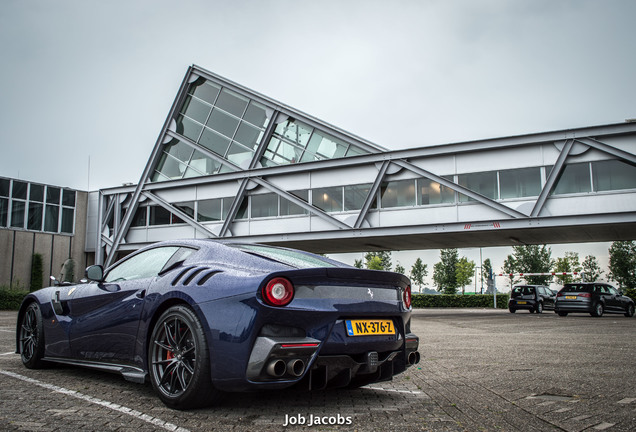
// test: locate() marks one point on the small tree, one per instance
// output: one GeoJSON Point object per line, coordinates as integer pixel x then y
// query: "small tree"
{"type": "Point", "coordinates": [531, 259]}
{"type": "Point", "coordinates": [622, 263]}
{"type": "Point", "coordinates": [569, 263]}
{"type": "Point", "coordinates": [37, 272]}
{"type": "Point", "coordinates": [384, 256]}
{"type": "Point", "coordinates": [399, 268]}
{"type": "Point", "coordinates": [444, 275]}
{"type": "Point", "coordinates": [591, 268]}
{"type": "Point", "coordinates": [357, 263]}
{"type": "Point", "coordinates": [464, 271]}
{"type": "Point", "coordinates": [375, 263]}
{"type": "Point", "coordinates": [418, 272]}
{"type": "Point", "coordinates": [486, 272]}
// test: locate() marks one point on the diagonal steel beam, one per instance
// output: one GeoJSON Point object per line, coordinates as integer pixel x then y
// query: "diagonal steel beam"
{"type": "Point", "coordinates": [461, 189]}
{"type": "Point", "coordinates": [606, 148]}
{"type": "Point", "coordinates": [552, 178]}
{"type": "Point", "coordinates": [301, 203]}
{"type": "Point", "coordinates": [181, 214]}
{"type": "Point", "coordinates": [372, 194]}
{"type": "Point", "coordinates": [231, 214]}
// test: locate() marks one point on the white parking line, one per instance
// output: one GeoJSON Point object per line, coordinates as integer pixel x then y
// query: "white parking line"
{"type": "Point", "coordinates": [415, 392]}
{"type": "Point", "coordinates": [7, 353]}
{"type": "Point", "coordinates": [115, 407]}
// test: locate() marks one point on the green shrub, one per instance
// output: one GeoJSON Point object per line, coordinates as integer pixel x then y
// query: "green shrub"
{"type": "Point", "coordinates": [459, 301]}
{"type": "Point", "coordinates": [10, 299]}
{"type": "Point", "coordinates": [37, 272]}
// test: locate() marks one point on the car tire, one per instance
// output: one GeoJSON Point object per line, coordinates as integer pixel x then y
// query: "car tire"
{"type": "Point", "coordinates": [598, 310]}
{"type": "Point", "coordinates": [179, 360]}
{"type": "Point", "coordinates": [629, 310]}
{"type": "Point", "coordinates": [31, 337]}
{"type": "Point", "coordinates": [539, 308]}
{"type": "Point", "coordinates": [562, 314]}
{"type": "Point", "coordinates": [531, 310]}
{"type": "Point", "coordinates": [512, 310]}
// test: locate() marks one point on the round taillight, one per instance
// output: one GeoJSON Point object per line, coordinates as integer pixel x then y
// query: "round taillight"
{"type": "Point", "coordinates": [278, 292]}
{"type": "Point", "coordinates": [407, 297]}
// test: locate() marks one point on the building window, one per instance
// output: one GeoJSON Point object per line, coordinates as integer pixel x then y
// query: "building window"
{"type": "Point", "coordinates": [4, 211]}
{"type": "Point", "coordinates": [575, 178]}
{"type": "Point", "coordinates": [159, 216]}
{"type": "Point", "coordinates": [34, 221]}
{"type": "Point", "coordinates": [210, 210]}
{"type": "Point", "coordinates": [139, 219]}
{"type": "Point", "coordinates": [51, 217]}
{"type": "Point", "coordinates": [516, 183]}
{"type": "Point", "coordinates": [483, 183]}
{"type": "Point", "coordinates": [356, 195]}
{"type": "Point", "coordinates": [288, 208]}
{"type": "Point", "coordinates": [264, 205]}
{"type": "Point", "coordinates": [68, 219]}
{"type": "Point", "coordinates": [613, 175]}
{"type": "Point", "coordinates": [17, 214]}
{"type": "Point", "coordinates": [328, 199]}
{"type": "Point", "coordinates": [400, 193]}
{"type": "Point", "coordinates": [431, 192]}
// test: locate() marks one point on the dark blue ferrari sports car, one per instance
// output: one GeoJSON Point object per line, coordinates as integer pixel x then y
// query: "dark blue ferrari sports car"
{"type": "Point", "coordinates": [199, 317]}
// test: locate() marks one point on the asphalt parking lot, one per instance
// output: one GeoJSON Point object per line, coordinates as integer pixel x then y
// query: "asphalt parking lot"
{"type": "Point", "coordinates": [481, 370]}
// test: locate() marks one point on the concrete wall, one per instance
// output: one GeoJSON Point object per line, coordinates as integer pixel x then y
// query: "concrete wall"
{"type": "Point", "coordinates": [18, 246]}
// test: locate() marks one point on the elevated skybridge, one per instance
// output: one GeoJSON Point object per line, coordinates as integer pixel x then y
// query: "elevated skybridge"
{"type": "Point", "coordinates": [232, 164]}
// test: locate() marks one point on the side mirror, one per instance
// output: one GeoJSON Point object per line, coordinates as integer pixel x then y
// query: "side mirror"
{"type": "Point", "coordinates": [95, 273]}
{"type": "Point", "coordinates": [54, 281]}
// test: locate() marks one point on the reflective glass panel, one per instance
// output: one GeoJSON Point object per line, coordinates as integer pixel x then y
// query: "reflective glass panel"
{"type": "Point", "coordinates": [68, 198]}
{"type": "Point", "coordinates": [613, 175]}
{"type": "Point", "coordinates": [143, 265]}
{"type": "Point", "coordinates": [203, 163]}
{"type": "Point", "coordinates": [325, 147]}
{"type": "Point", "coordinates": [484, 183]}
{"type": "Point", "coordinates": [4, 187]}
{"type": "Point", "coordinates": [400, 193]}
{"type": "Point", "coordinates": [52, 195]}
{"type": "Point", "coordinates": [4, 211]}
{"type": "Point", "coordinates": [248, 135]}
{"type": "Point", "coordinates": [188, 128]}
{"type": "Point", "coordinates": [354, 196]}
{"type": "Point", "coordinates": [139, 220]}
{"type": "Point", "coordinates": [19, 190]}
{"type": "Point", "coordinates": [67, 220]}
{"type": "Point", "coordinates": [34, 221]}
{"type": "Point", "coordinates": [256, 114]}
{"type": "Point", "coordinates": [355, 151]}
{"type": "Point", "coordinates": [223, 123]}
{"type": "Point", "coordinates": [288, 208]}
{"type": "Point", "coordinates": [264, 205]}
{"type": "Point", "coordinates": [575, 178]}
{"type": "Point", "coordinates": [239, 155]}
{"type": "Point", "coordinates": [17, 214]}
{"type": "Point", "coordinates": [522, 182]}
{"type": "Point", "coordinates": [431, 192]}
{"type": "Point", "coordinates": [196, 110]}
{"type": "Point", "coordinates": [328, 199]}
{"type": "Point", "coordinates": [214, 142]}
{"type": "Point", "coordinates": [294, 131]}
{"type": "Point", "coordinates": [159, 216]}
{"type": "Point", "coordinates": [205, 90]}
{"type": "Point", "coordinates": [232, 102]}
{"type": "Point", "coordinates": [51, 216]}
{"type": "Point", "coordinates": [179, 150]}
{"type": "Point", "coordinates": [36, 193]}
{"type": "Point", "coordinates": [170, 167]}
{"type": "Point", "coordinates": [242, 211]}
{"type": "Point", "coordinates": [209, 210]}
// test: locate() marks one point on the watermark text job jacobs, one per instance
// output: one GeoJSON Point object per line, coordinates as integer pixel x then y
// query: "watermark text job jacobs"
{"type": "Point", "coordinates": [311, 420]}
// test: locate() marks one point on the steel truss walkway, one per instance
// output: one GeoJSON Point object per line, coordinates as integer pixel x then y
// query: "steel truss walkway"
{"type": "Point", "coordinates": [576, 185]}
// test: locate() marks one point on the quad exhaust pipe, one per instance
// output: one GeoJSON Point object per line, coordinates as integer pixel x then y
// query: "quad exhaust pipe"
{"type": "Point", "coordinates": [414, 357]}
{"type": "Point", "coordinates": [278, 368]}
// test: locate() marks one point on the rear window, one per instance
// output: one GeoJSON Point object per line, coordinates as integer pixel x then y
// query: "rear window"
{"type": "Point", "coordinates": [577, 288]}
{"type": "Point", "coordinates": [294, 258]}
{"type": "Point", "coordinates": [522, 290]}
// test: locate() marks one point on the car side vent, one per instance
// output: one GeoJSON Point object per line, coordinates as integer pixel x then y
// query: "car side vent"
{"type": "Point", "coordinates": [206, 277]}
{"type": "Point", "coordinates": [180, 275]}
{"type": "Point", "coordinates": [194, 274]}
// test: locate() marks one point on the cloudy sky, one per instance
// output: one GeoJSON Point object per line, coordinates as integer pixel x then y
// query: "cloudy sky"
{"type": "Point", "coordinates": [94, 80]}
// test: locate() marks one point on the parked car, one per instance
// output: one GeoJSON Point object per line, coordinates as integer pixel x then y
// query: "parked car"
{"type": "Point", "coordinates": [594, 298]}
{"type": "Point", "coordinates": [198, 317]}
{"type": "Point", "coordinates": [534, 298]}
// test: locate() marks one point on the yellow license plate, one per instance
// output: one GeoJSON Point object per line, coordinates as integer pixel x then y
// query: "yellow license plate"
{"type": "Point", "coordinates": [369, 327]}
{"type": "Point", "coordinates": [521, 302]}
{"type": "Point", "coordinates": [570, 297]}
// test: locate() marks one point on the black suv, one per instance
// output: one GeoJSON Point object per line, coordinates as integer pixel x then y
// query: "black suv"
{"type": "Point", "coordinates": [594, 298]}
{"type": "Point", "coordinates": [534, 298]}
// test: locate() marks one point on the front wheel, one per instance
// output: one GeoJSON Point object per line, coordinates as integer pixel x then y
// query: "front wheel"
{"type": "Point", "coordinates": [598, 310]}
{"type": "Point", "coordinates": [31, 335]}
{"type": "Point", "coordinates": [179, 361]}
{"type": "Point", "coordinates": [629, 311]}
{"type": "Point", "coordinates": [539, 308]}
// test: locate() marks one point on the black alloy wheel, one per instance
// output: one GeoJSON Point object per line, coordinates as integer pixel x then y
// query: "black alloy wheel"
{"type": "Point", "coordinates": [32, 337]}
{"type": "Point", "coordinates": [598, 310]}
{"type": "Point", "coordinates": [629, 310]}
{"type": "Point", "coordinates": [179, 362]}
